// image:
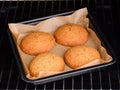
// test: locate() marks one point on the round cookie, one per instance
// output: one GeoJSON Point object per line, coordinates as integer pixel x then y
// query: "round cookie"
{"type": "Point", "coordinates": [80, 55]}
{"type": "Point", "coordinates": [46, 62]}
{"type": "Point", "coordinates": [37, 42]}
{"type": "Point", "coordinates": [71, 35]}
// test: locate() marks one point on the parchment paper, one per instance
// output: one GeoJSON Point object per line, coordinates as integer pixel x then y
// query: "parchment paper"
{"type": "Point", "coordinates": [50, 25]}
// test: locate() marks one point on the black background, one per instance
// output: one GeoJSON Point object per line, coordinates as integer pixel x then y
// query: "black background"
{"type": "Point", "coordinates": [106, 13]}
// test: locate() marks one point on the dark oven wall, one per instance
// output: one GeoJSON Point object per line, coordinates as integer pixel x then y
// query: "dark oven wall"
{"type": "Point", "coordinates": [104, 12]}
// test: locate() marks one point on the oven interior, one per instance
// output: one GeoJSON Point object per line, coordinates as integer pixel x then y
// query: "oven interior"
{"type": "Point", "coordinates": [107, 17]}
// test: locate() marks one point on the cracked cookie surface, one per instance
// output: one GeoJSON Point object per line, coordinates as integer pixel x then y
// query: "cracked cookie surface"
{"type": "Point", "coordinates": [37, 42]}
{"type": "Point", "coordinates": [80, 55]}
{"type": "Point", "coordinates": [71, 35]}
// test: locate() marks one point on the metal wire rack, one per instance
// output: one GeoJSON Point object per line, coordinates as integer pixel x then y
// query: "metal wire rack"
{"type": "Point", "coordinates": [103, 13]}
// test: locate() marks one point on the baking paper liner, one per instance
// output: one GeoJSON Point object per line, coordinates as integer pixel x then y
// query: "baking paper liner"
{"type": "Point", "coordinates": [19, 30]}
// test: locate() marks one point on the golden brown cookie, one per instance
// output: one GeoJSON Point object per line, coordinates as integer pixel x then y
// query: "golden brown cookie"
{"type": "Point", "coordinates": [80, 55]}
{"type": "Point", "coordinates": [46, 62]}
{"type": "Point", "coordinates": [37, 42]}
{"type": "Point", "coordinates": [71, 35]}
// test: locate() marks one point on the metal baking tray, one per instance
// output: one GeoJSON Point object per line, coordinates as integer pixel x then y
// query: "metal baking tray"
{"type": "Point", "coordinates": [51, 78]}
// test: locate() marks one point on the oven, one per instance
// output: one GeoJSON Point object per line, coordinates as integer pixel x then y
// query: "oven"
{"type": "Point", "coordinates": [106, 15]}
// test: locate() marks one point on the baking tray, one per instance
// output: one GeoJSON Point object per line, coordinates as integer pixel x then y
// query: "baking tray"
{"type": "Point", "coordinates": [51, 78]}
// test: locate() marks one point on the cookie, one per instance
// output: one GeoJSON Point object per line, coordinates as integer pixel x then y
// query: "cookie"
{"type": "Point", "coordinates": [46, 62]}
{"type": "Point", "coordinates": [77, 56]}
{"type": "Point", "coordinates": [37, 42]}
{"type": "Point", "coordinates": [71, 35]}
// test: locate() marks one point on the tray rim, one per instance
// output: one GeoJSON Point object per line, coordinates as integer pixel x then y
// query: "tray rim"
{"type": "Point", "coordinates": [68, 73]}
